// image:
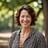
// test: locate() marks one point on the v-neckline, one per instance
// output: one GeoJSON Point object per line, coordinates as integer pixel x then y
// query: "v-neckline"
{"type": "Point", "coordinates": [31, 33]}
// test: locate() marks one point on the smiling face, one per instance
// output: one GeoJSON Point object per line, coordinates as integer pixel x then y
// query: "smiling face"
{"type": "Point", "coordinates": [25, 18]}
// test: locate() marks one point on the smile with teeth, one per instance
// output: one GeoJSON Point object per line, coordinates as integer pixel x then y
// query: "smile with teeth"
{"type": "Point", "coordinates": [25, 23]}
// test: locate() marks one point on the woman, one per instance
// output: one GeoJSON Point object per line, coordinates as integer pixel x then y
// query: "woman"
{"type": "Point", "coordinates": [26, 37]}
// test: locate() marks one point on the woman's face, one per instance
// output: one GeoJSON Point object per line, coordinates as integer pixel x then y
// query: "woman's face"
{"type": "Point", "coordinates": [25, 18]}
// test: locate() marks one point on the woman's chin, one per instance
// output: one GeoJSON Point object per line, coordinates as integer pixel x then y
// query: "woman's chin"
{"type": "Point", "coordinates": [25, 26]}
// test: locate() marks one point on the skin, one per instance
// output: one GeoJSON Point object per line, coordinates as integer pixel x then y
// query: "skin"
{"type": "Point", "coordinates": [25, 21]}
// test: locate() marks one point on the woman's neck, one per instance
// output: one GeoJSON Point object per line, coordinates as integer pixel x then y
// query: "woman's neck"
{"type": "Point", "coordinates": [26, 30]}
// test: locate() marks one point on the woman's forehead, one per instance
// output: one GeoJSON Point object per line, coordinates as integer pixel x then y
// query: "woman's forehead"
{"type": "Point", "coordinates": [25, 12]}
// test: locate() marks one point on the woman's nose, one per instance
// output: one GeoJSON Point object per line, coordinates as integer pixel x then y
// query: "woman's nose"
{"type": "Point", "coordinates": [25, 18]}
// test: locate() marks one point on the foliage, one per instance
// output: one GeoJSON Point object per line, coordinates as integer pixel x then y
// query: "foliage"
{"type": "Point", "coordinates": [8, 7]}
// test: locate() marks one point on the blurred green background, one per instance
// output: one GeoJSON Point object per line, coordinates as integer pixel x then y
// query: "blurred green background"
{"type": "Point", "coordinates": [9, 7]}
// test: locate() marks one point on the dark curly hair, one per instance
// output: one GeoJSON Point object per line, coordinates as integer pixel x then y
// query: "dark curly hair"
{"type": "Point", "coordinates": [30, 11]}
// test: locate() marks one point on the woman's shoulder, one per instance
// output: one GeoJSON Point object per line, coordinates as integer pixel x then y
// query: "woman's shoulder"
{"type": "Point", "coordinates": [15, 33]}
{"type": "Point", "coordinates": [40, 39]}
{"type": "Point", "coordinates": [39, 36]}
{"type": "Point", "coordinates": [37, 32]}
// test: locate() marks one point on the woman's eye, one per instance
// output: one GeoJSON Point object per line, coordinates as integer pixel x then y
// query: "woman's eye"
{"type": "Point", "coordinates": [22, 16]}
{"type": "Point", "coordinates": [25, 16]}
{"type": "Point", "coordinates": [28, 16]}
